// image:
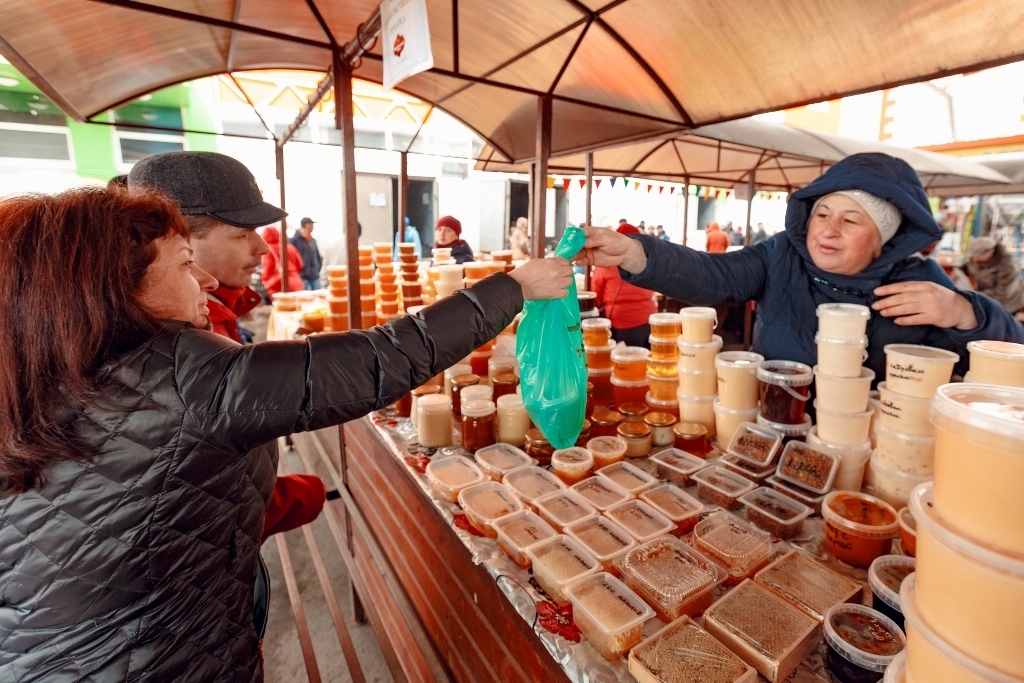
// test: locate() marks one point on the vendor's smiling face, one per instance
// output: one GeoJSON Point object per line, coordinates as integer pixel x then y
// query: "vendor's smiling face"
{"type": "Point", "coordinates": [841, 237]}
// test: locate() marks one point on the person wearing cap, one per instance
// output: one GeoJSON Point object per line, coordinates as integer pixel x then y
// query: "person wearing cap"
{"type": "Point", "coordinates": [223, 206]}
{"type": "Point", "coordinates": [995, 272]}
{"type": "Point", "coordinates": [852, 236]}
{"type": "Point", "coordinates": [448, 235]}
{"type": "Point", "coordinates": [628, 307]}
{"type": "Point", "coordinates": [309, 252]}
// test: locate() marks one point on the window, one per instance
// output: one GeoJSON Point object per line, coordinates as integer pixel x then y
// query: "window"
{"type": "Point", "coordinates": [33, 131]}
{"type": "Point", "coordinates": [134, 149]}
{"type": "Point", "coordinates": [135, 143]}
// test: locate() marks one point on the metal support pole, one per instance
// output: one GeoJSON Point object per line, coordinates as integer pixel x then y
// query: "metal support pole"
{"type": "Point", "coordinates": [541, 176]}
{"type": "Point", "coordinates": [403, 194]}
{"type": "Point", "coordinates": [750, 206]}
{"type": "Point", "coordinates": [531, 211]}
{"type": "Point", "coordinates": [283, 257]}
{"type": "Point", "coordinates": [587, 213]}
{"type": "Point", "coordinates": [343, 120]}
{"type": "Point", "coordinates": [686, 207]}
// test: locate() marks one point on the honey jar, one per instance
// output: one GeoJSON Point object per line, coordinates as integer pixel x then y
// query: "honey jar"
{"type": "Point", "coordinates": [459, 383]}
{"type": "Point", "coordinates": [537, 446]}
{"type": "Point", "coordinates": [479, 425]}
{"type": "Point", "coordinates": [692, 438]}
{"type": "Point", "coordinates": [637, 436]}
{"type": "Point", "coordinates": [605, 423]}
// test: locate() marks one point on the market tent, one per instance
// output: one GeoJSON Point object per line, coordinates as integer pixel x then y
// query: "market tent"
{"type": "Point", "coordinates": [611, 70]}
{"type": "Point", "coordinates": [1010, 164]}
{"type": "Point", "coordinates": [780, 158]}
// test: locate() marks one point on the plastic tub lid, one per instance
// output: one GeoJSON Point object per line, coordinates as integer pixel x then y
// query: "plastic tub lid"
{"type": "Point", "coordinates": [656, 403]}
{"type": "Point", "coordinates": [670, 571]}
{"type": "Point", "coordinates": [755, 444]}
{"type": "Point", "coordinates": [599, 372]}
{"type": "Point", "coordinates": [808, 584]}
{"type": "Point", "coordinates": [640, 519]}
{"type": "Point", "coordinates": [924, 354]}
{"type": "Point", "coordinates": [849, 456]}
{"type": "Point", "coordinates": [665, 318]}
{"type": "Point", "coordinates": [775, 506]}
{"type": "Point", "coordinates": [602, 537]}
{"type": "Point", "coordinates": [785, 429]}
{"type": "Point", "coordinates": [843, 415]}
{"type": "Point", "coordinates": [679, 461]}
{"type": "Point", "coordinates": [716, 343]}
{"type": "Point", "coordinates": [478, 407]}
{"type": "Point", "coordinates": [629, 477]}
{"type": "Point", "coordinates": [606, 446]}
{"type": "Point", "coordinates": [991, 408]}
{"type": "Point", "coordinates": [523, 529]}
{"type": "Point", "coordinates": [747, 466]}
{"type": "Point", "coordinates": [865, 373]}
{"type": "Point", "coordinates": [601, 493]}
{"type": "Point", "coordinates": [532, 482]}
{"type": "Point", "coordinates": [808, 466]}
{"type": "Point", "coordinates": [862, 342]}
{"type": "Point", "coordinates": [489, 501]}
{"type": "Point", "coordinates": [575, 457]}
{"type": "Point", "coordinates": [686, 398]}
{"type": "Point", "coordinates": [454, 471]}
{"type": "Point", "coordinates": [503, 457]}
{"type": "Point", "coordinates": [723, 481]}
{"type": "Point", "coordinates": [564, 507]}
{"type": "Point", "coordinates": [510, 401]}
{"type": "Point", "coordinates": [916, 620]}
{"type": "Point", "coordinates": [928, 519]}
{"type": "Point", "coordinates": [575, 562]}
{"type": "Point", "coordinates": [630, 385]}
{"type": "Point", "coordinates": [740, 358]}
{"type": "Point", "coordinates": [836, 500]}
{"type": "Point", "coordinates": [687, 647]}
{"type": "Point", "coordinates": [630, 354]}
{"type": "Point", "coordinates": [785, 372]}
{"type": "Point", "coordinates": [698, 312]}
{"type": "Point", "coordinates": [896, 672]}
{"type": "Point", "coordinates": [719, 408]}
{"type": "Point", "coordinates": [884, 390]}
{"type": "Point", "coordinates": [886, 575]}
{"type": "Point", "coordinates": [610, 346]}
{"type": "Point", "coordinates": [843, 310]}
{"type": "Point", "coordinates": [596, 324]}
{"type": "Point", "coordinates": [735, 541]}
{"type": "Point", "coordinates": [997, 349]}
{"type": "Point", "coordinates": [621, 608]}
{"type": "Point", "coordinates": [673, 502]}
{"type": "Point", "coordinates": [846, 622]}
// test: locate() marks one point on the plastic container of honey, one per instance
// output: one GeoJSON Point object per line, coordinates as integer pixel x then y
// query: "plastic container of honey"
{"type": "Point", "coordinates": [606, 450]}
{"type": "Point", "coordinates": [599, 357]}
{"type": "Point", "coordinates": [572, 465]}
{"type": "Point", "coordinates": [666, 326]}
{"type": "Point", "coordinates": [597, 332]}
{"type": "Point", "coordinates": [891, 484]}
{"type": "Point", "coordinates": [629, 363]}
{"type": "Point", "coordinates": [841, 357]}
{"type": "Point", "coordinates": [671, 577]}
{"type": "Point", "coordinates": [698, 324]}
{"type": "Point", "coordinates": [721, 487]}
{"type": "Point", "coordinates": [697, 382]}
{"type": "Point", "coordinates": [905, 414]}
{"type": "Point", "coordinates": [564, 507]}
{"type": "Point", "coordinates": [858, 527]}
{"type": "Point", "coordinates": [885, 576]}
{"type": "Point", "coordinates": [664, 349]}
{"type": "Point", "coordinates": [448, 476]}
{"type": "Point", "coordinates": [666, 407]}
{"type": "Point", "coordinates": [641, 520]}
{"type": "Point", "coordinates": [862, 643]}
{"type": "Point", "coordinates": [601, 493]}
{"type": "Point", "coordinates": [680, 507]}
{"type": "Point", "coordinates": [852, 460]}
{"type": "Point", "coordinates": [558, 562]}
{"type": "Point", "coordinates": [631, 478]}
{"type": "Point", "coordinates": [698, 356]}
{"type": "Point", "coordinates": [734, 544]}
{"type": "Point", "coordinates": [519, 531]}
{"type": "Point", "coordinates": [608, 613]}
{"type": "Point", "coordinates": [699, 409]}
{"type": "Point", "coordinates": [908, 531]}
{"type": "Point", "coordinates": [677, 465]}
{"type": "Point", "coordinates": [809, 585]}
{"type": "Point", "coordinates": [532, 482]}
{"type": "Point", "coordinates": [774, 512]}
{"type": "Point", "coordinates": [624, 391]}
{"type": "Point", "coordinates": [683, 648]}
{"type": "Point", "coordinates": [603, 538]}
{"type": "Point", "coordinates": [486, 502]}
{"type": "Point", "coordinates": [914, 370]}
{"type": "Point", "coordinates": [728, 421]}
{"type": "Point", "coordinates": [784, 388]}
{"type": "Point", "coordinates": [843, 394]}
{"type": "Point", "coordinates": [997, 362]}
{"type": "Point", "coordinates": [663, 388]}
{"type": "Point", "coordinates": [843, 428]}
{"type": "Point", "coordinates": [843, 321]}
{"type": "Point", "coordinates": [498, 460]}
{"type": "Point", "coordinates": [737, 379]}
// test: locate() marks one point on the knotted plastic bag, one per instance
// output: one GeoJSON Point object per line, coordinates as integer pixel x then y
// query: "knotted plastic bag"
{"type": "Point", "coordinates": [552, 365]}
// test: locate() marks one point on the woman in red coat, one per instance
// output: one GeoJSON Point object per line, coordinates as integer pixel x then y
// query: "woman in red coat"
{"type": "Point", "coordinates": [271, 274]}
{"type": "Point", "coordinates": [628, 307]}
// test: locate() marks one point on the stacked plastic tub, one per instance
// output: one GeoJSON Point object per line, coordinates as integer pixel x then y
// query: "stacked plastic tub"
{"type": "Point", "coordinates": [663, 374]}
{"type": "Point", "coordinates": [698, 346]}
{"type": "Point", "coordinates": [904, 436]}
{"type": "Point", "coordinates": [598, 345]}
{"type": "Point", "coordinates": [964, 607]}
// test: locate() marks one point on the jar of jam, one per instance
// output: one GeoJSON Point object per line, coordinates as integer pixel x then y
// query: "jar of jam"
{"type": "Point", "coordinates": [784, 390]}
{"type": "Point", "coordinates": [590, 399]}
{"type": "Point", "coordinates": [692, 438]}
{"type": "Point", "coordinates": [499, 366]}
{"type": "Point", "coordinates": [637, 436]}
{"type": "Point", "coordinates": [661, 428]}
{"type": "Point", "coordinates": [403, 406]}
{"type": "Point", "coordinates": [605, 423]}
{"type": "Point", "coordinates": [503, 384]}
{"type": "Point", "coordinates": [460, 382]}
{"type": "Point", "coordinates": [633, 412]}
{"type": "Point", "coordinates": [585, 434]}
{"type": "Point", "coordinates": [537, 446]}
{"type": "Point", "coordinates": [417, 394]}
{"type": "Point", "coordinates": [479, 425]}
{"type": "Point", "coordinates": [602, 381]}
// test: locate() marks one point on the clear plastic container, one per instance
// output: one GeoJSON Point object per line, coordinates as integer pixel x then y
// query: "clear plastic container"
{"type": "Point", "coordinates": [737, 379]}
{"type": "Point", "coordinates": [775, 512]}
{"type": "Point", "coordinates": [852, 460]}
{"type": "Point", "coordinates": [676, 504]}
{"type": "Point", "coordinates": [532, 482]}
{"type": "Point", "coordinates": [997, 362]}
{"type": "Point", "coordinates": [676, 466]}
{"type": "Point", "coordinates": [641, 520]}
{"type": "Point", "coordinates": [629, 363]}
{"type": "Point", "coordinates": [891, 484]}
{"type": "Point", "coordinates": [564, 507]}
{"type": "Point", "coordinates": [808, 466]}
{"type": "Point", "coordinates": [558, 562]}
{"type": "Point", "coordinates": [764, 630]}
{"type": "Point", "coordinates": [498, 460]}
{"type": "Point", "coordinates": [896, 672]}
{"type": "Point", "coordinates": [597, 332]}
{"type": "Point", "coordinates": [784, 387]}
{"type": "Point", "coordinates": [788, 432]}
{"type": "Point", "coordinates": [728, 421]}
{"type": "Point", "coordinates": [606, 450]}
{"type": "Point", "coordinates": [697, 382]}
{"type": "Point", "coordinates": [572, 465]}
{"type": "Point", "coordinates": [842, 321]}
{"type": "Point", "coordinates": [745, 469]}
{"type": "Point", "coordinates": [908, 531]}
{"type": "Point", "coordinates": [667, 407]}
{"type": "Point", "coordinates": [664, 349]}
{"type": "Point", "coordinates": [608, 613]}
{"type": "Point", "coordinates": [683, 652]}
{"type": "Point", "coordinates": [601, 493]}
{"type": "Point", "coordinates": [603, 538]}
{"type": "Point", "coordinates": [629, 477]}
{"type": "Point", "coordinates": [671, 576]}
{"type": "Point", "coordinates": [807, 584]}
{"type": "Point", "coordinates": [843, 394]}
{"type": "Point", "coordinates": [484, 503]}
{"type": "Point", "coordinates": [885, 576]}
{"type": "Point", "coordinates": [699, 409]}
{"type": "Point", "coordinates": [841, 357]}
{"type": "Point", "coordinates": [599, 357]}
{"type": "Point", "coordinates": [697, 356]}
{"type": "Point", "coordinates": [666, 326]}
{"type": "Point", "coordinates": [862, 642]}
{"type": "Point", "coordinates": [845, 429]}
{"type": "Point", "coordinates": [905, 414]}
{"type": "Point", "coordinates": [520, 530]}
{"type": "Point", "coordinates": [450, 475]}
{"type": "Point", "coordinates": [625, 391]}
{"type": "Point", "coordinates": [798, 493]}
{"type": "Point", "coordinates": [663, 388]}
{"type": "Point", "coordinates": [757, 445]}
{"type": "Point", "coordinates": [698, 324]}
{"type": "Point", "coordinates": [858, 527]}
{"type": "Point", "coordinates": [721, 487]}
{"type": "Point", "coordinates": [662, 367]}
{"type": "Point", "coordinates": [737, 546]}
{"type": "Point", "coordinates": [914, 370]}
{"type": "Point", "coordinates": [661, 428]}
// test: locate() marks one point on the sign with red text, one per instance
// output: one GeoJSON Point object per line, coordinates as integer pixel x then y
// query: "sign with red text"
{"type": "Point", "coordinates": [406, 39]}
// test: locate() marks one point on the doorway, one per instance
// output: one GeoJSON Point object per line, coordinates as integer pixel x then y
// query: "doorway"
{"type": "Point", "coordinates": [421, 208]}
{"type": "Point", "coordinates": [518, 203]}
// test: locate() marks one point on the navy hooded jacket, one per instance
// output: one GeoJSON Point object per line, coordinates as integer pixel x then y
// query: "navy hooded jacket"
{"type": "Point", "coordinates": [781, 277]}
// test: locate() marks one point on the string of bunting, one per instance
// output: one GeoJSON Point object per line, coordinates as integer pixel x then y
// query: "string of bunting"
{"type": "Point", "coordinates": [701, 191]}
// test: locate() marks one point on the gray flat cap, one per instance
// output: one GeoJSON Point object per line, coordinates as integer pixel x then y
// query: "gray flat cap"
{"type": "Point", "coordinates": [207, 183]}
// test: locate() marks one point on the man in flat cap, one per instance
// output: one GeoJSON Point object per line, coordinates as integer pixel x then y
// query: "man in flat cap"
{"type": "Point", "coordinates": [312, 261]}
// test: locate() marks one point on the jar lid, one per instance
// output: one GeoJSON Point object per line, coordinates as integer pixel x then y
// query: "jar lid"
{"type": "Point", "coordinates": [661, 405]}
{"type": "Point", "coordinates": [997, 349]}
{"type": "Point", "coordinates": [740, 358]}
{"type": "Point", "coordinates": [596, 324]}
{"type": "Point", "coordinates": [634, 430]}
{"type": "Point", "coordinates": [465, 380]}
{"type": "Point", "coordinates": [665, 319]}
{"type": "Point", "coordinates": [994, 409]}
{"type": "Point", "coordinates": [435, 403]}
{"type": "Point", "coordinates": [851, 629]}
{"type": "Point", "coordinates": [886, 574]}
{"type": "Point", "coordinates": [510, 401]}
{"type": "Point", "coordinates": [862, 342]}
{"type": "Point", "coordinates": [535, 436]}
{"type": "Point", "coordinates": [923, 354]}
{"type": "Point", "coordinates": [606, 418]}
{"type": "Point", "coordinates": [785, 372]}
{"type": "Point", "coordinates": [625, 383]}
{"type": "Point", "coordinates": [839, 507]}
{"type": "Point", "coordinates": [785, 429]}
{"type": "Point", "coordinates": [715, 343]}
{"type": "Point", "coordinates": [477, 408]}
{"type": "Point", "coordinates": [505, 378]}
{"type": "Point", "coordinates": [633, 409]}
{"type": "Point", "coordinates": [584, 294]}
{"type": "Point", "coordinates": [699, 312]}
{"type": "Point", "coordinates": [844, 310]}
{"type": "Point", "coordinates": [426, 390]}
{"type": "Point", "coordinates": [627, 354]}
{"type": "Point", "coordinates": [690, 430]}
{"type": "Point", "coordinates": [610, 346]}
{"type": "Point", "coordinates": [659, 419]}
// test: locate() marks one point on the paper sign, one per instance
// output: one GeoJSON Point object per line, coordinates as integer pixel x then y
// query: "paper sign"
{"type": "Point", "coordinates": [406, 40]}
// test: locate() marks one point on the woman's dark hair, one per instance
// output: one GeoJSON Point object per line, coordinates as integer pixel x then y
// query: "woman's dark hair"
{"type": "Point", "coordinates": [71, 268]}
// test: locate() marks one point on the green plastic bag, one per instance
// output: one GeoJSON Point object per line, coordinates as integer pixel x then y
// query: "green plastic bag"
{"type": "Point", "coordinates": [552, 365]}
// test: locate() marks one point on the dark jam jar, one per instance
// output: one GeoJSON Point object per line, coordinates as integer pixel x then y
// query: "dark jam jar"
{"type": "Point", "coordinates": [862, 642]}
{"type": "Point", "coordinates": [585, 434]}
{"type": "Point", "coordinates": [605, 423]}
{"type": "Point", "coordinates": [479, 426]}
{"type": "Point", "coordinates": [692, 438]}
{"type": "Point", "coordinates": [785, 387]}
{"type": "Point", "coordinates": [403, 406]}
{"type": "Point", "coordinates": [537, 446]}
{"type": "Point", "coordinates": [503, 384]}
{"type": "Point", "coordinates": [460, 382]}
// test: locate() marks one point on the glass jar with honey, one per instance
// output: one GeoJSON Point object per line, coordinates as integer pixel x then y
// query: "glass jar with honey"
{"type": "Point", "coordinates": [637, 436]}
{"type": "Point", "coordinates": [479, 425]}
{"type": "Point", "coordinates": [605, 423]}
{"type": "Point", "coordinates": [633, 412]}
{"type": "Point", "coordinates": [692, 438]}
{"type": "Point", "coordinates": [459, 383]}
{"type": "Point", "coordinates": [537, 446]}
{"type": "Point", "coordinates": [503, 384]}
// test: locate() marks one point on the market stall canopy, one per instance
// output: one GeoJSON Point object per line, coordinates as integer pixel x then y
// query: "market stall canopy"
{"type": "Point", "coordinates": [616, 70]}
{"type": "Point", "coordinates": [1010, 164]}
{"type": "Point", "coordinates": [724, 154]}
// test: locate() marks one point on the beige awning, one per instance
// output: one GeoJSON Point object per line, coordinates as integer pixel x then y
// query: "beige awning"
{"type": "Point", "coordinates": [617, 70]}
{"type": "Point", "coordinates": [780, 158]}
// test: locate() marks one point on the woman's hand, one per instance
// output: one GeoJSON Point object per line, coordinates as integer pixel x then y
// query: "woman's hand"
{"type": "Point", "coordinates": [606, 247]}
{"type": "Point", "coordinates": [543, 278]}
{"type": "Point", "coordinates": [925, 303]}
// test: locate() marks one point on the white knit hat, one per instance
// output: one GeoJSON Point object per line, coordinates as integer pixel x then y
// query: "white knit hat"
{"type": "Point", "coordinates": [886, 216]}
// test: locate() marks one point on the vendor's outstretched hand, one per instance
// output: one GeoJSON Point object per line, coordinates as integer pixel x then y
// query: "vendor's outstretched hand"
{"type": "Point", "coordinates": [543, 278]}
{"type": "Point", "coordinates": [606, 247]}
{"type": "Point", "coordinates": [925, 303]}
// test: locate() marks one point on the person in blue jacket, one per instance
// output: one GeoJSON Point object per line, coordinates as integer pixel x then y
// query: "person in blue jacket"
{"type": "Point", "coordinates": [852, 236]}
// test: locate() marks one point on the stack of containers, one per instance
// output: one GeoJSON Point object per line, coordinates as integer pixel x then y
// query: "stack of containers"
{"type": "Point", "coordinates": [476, 271]}
{"type": "Point", "coordinates": [738, 394]}
{"type": "Point", "coordinates": [598, 345]}
{"type": "Point", "coordinates": [663, 364]}
{"type": "Point", "coordinates": [449, 279]}
{"type": "Point", "coordinates": [412, 289]}
{"type": "Point", "coordinates": [629, 374]}
{"type": "Point", "coordinates": [964, 606]}
{"type": "Point", "coordinates": [367, 287]}
{"type": "Point", "coordinates": [337, 298]}
{"type": "Point", "coordinates": [783, 389]}
{"type": "Point", "coordinates": [996, 362]}
{"type": "Point", "coordinates": [387, 283]}
{"type": "Point", "coordinates": [843, 390]}
{"type": "Point", "coordinates": [697, 345]}
{"type": "Point", "coordinates": [905, 439]}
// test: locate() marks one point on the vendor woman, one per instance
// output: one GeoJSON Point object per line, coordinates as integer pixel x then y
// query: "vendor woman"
{"type": "Point", "coordinates": [852, 236]}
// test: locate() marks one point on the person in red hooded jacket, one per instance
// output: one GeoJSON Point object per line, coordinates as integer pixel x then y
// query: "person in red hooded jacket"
{"type": "Point", "coordinates": [717, 240]}
{"type": "Point", "coordinates": [448, 235]}
{"type": "Point", "coordinates": [271, 274]}
{"type": "Point", "coordinates": [628, 307]}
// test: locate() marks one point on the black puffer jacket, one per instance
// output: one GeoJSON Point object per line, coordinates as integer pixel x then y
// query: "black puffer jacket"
{"type": "Point", "coordinates": [140, 565]}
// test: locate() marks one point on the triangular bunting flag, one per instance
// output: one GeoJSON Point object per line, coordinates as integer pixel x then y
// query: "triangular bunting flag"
{"type": "Point", "coordinates": [583, 183]}
{"type": "Point", "coordinates": [614, 180]}
{"type": "Point", "coordinates": [551, 182]}
{"type": "Point", "coordinates": [649, 186]}
{"type": "Point", "coordinates": [565, 184]}
{"type": "Point", "coordinates": [598, 182]}
{"type": "Point", "coordinates": [661, 189]}
{"type": "Point", "coordinates": [636, 185]}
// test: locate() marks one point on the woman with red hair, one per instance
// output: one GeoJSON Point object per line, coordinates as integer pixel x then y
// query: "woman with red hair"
{"type": "Point", "coordinates": [628, 307]}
